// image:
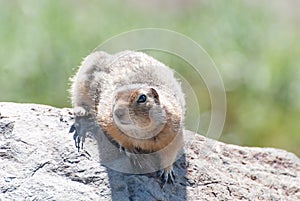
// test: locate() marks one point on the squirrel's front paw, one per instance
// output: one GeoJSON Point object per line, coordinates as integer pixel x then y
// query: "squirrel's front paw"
{"type": "Point", "coordinates": [167, 175]}
{"type": "Point", "coordinates": [78, 136]}
{"type": "Point", "coordinates": [82, 127]}
{"type": "Point", "coordinates": [76, 128]}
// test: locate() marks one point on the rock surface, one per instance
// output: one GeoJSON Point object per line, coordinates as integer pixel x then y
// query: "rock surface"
{"type": "Point", "coordinates": [38, 161]}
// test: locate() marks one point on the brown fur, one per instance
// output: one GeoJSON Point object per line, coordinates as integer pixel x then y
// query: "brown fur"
{"type": "Point", "coordinates": [166, 119]}
{"type": "Point", "coordinates": [160, 141]}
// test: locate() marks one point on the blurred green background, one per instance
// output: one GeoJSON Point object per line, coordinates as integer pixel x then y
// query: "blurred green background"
{"type": "Point", "coordinates": [255, 44]}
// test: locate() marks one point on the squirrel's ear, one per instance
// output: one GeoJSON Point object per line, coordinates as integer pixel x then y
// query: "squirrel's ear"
{"type": "Point", "coordinates": [155, 95]}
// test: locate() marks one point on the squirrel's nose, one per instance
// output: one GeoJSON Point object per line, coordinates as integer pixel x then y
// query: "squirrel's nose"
{"type": "Point", "coordinates": [119, 113]}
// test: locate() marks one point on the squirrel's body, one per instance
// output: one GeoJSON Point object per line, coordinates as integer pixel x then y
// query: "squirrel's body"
{"type": "Point", "coordinates": [135, 100]}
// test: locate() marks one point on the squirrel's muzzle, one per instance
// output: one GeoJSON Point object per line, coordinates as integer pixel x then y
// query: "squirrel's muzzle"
{"type": "Point", "coordinates": [121, 115]}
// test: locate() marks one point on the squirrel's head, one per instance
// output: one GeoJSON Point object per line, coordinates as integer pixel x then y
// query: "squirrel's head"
{"type": "Point", "coordinates": [138, 112]}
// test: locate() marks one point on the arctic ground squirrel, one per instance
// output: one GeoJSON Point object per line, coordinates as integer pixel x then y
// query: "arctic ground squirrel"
{"type": "Point", "coordinates": [137, 102]}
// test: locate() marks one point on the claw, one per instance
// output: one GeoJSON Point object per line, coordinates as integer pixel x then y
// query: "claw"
{"type": "Point", "coordinates": [132, 156]}
{"type": "Point", "coordinates": [167, 176]}
{"type": "Point", "coordinates": [72, 129]}
{"type": "Point", "coordinates": [134, 159]}
{"type": "Point", "coordinates": [121, 149]}
{"type": "Point", "coordinates": [76, 137]}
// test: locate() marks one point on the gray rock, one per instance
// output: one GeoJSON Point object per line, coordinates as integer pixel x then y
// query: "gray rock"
{"type": "Point", "coordinates": [39, 161]}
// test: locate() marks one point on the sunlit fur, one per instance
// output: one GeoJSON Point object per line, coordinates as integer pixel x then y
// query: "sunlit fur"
{"type": "Point", "coordinates": [107, 83]}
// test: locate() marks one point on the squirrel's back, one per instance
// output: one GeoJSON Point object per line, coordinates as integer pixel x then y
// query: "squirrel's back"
{"type": "Point", "coordinates": [101, 74]}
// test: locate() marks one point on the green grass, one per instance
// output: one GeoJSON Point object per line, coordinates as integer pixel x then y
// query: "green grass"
{"type": "Point", "coordinates": [256, 47]}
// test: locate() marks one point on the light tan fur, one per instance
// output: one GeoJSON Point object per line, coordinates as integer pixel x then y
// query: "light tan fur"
{"type": "Point", "coordinates": [107, 87]}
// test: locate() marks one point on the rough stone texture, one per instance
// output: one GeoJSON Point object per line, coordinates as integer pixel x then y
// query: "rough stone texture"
{"type": "Point", "coordinates": [38, 161]}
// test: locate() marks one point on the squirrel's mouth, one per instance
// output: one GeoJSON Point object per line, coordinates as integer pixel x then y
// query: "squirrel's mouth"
{"type": "Point", "coordinates": [125, 122]}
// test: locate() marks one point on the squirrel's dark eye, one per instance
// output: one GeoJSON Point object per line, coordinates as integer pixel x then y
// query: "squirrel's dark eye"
{"type": "Point", "coordinates": [142, 98]}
